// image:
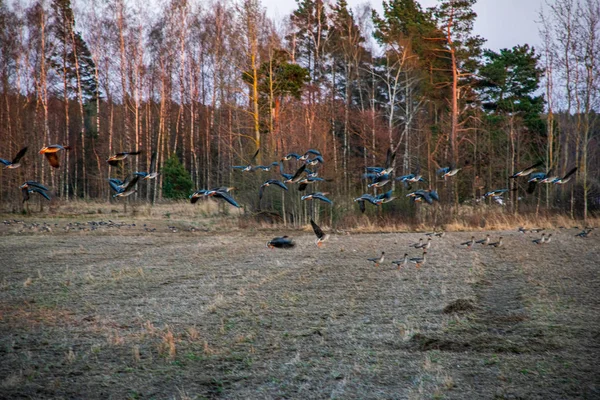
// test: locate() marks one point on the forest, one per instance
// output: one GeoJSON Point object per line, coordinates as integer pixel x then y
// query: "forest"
{"type": "Point", "coordinates": [205, 84]}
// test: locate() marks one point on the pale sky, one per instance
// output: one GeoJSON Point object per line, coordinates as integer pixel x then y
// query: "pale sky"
{"type": "Point", "coordinates": [504, 23]}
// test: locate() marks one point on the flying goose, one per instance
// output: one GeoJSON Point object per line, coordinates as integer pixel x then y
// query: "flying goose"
{"type": "Point", "coordinates": [15, 161]}
{"type": "Point", "coordinates": [308, 153]}
{"type": "Point", "coordinates": [50, 153]}
{"type": "Point", "coordinates": [566, 178]}
{"type": "Point", "coordinates": [269, 183]}
{"type": "Point", "coordinates": [321, 236]}
{"type": "Point", "coordinates": [152, 174]}
{"type": "Point", "coordinates": [33, 187]}
{"type": "Point", "coordinates": [126, 188]}
{"type": "Point", "coordinates": [318, 196]}
{"type": "Point", "coordinates": [117, 158]}
{"type": "Point", "coordinates": [247, 168]}
{"type": "Point", "coordinates": [527, 170]}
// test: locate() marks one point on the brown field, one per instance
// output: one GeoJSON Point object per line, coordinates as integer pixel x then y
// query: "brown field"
{"type": "Point", "coordinates": [119, 312]}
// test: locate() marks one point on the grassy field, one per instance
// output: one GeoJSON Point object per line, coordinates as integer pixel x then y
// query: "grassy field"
{"type": "Point", "coordinates": [164, 311]}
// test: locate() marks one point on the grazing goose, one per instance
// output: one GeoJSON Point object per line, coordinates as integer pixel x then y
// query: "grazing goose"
{"type": "Point", "coordinates": [522, 230]}
{"type": "Point", "coordinates": [440, 234]}
{"type": "Point", "coordinates": [321, 236]}
{"type": "Point", "coordinates": [377, 260]}
{"type": "Point", "coordinates": [281, 242]}
{"type": "Point", "coordinates": [548, 238]}
{"type": "Point", "coordinates": [566, 178]}
{"type": "Point", "coordinates": [496, 244]}
{"type": "Point", "coordinates": [152, 174]}
{"type": "Point", "coordinates": [417, 245]}
{"type": "Point", "coordinates": [469, 243]}
{"type": "Point", "coordinates": [269, 183]}
{"type": "Point", "coordinates": [401, 263]}
{"type": "Point", "coordinates": [426, 245]}
{"type": "Point", "coordinates": [50, 153]}
{"type": "Point", "coordinates": [584, 233]}
{"type": "Point", "coordinates": [527, 171]}
{"type": "Point", "coordinates": [318, 196]}
{"type": "Point", "coordinates": [540, 240]}
{"type": "Point", "coordinates": [117, 158]}
{"type": "Point", "coordinates": [419, 261]}
{"type": "Point", "coordinates": [485, 241]}
{"type": "Point", "coordinates": [15, 161]}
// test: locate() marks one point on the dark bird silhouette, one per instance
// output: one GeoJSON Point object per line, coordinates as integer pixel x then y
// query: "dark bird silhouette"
{"type": "Point", "coordinates": [321, 236]}
{"type": "Point", "coordinates": [15, 161]}
{"type": "Point", "coordinates": [281, 242]}
{"type": "Point", "coordinates": [33, 187]}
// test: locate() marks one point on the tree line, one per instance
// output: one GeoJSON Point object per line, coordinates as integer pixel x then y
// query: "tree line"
{"type": "Point", "coordinates": [205, 84]}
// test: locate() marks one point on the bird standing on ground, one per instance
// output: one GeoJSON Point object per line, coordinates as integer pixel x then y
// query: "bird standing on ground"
{"type": "Point", "coordinates": [496, 244]}
{"type": "Point", "coordinates": [401, 263]}
{"type": "Point", "coordinates": [377, 260]}
{"type": "Point", "coordinates": [419, 261]}
{"type": "Point", "coordinates": [469, 243]}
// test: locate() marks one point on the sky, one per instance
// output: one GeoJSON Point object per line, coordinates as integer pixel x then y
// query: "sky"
{"type": "Point", "coordinates": [504, 23]}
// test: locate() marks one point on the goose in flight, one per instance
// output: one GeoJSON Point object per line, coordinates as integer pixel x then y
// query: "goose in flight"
{"type": "Point", "coordinates": [318, 196]}
{"type": "Point", "coordinates": [117, 158]}
{"type": "Point", "coordinates": [527, 170]}
{"type": "Point", "coordinates": [308, 153]}
{"type": "Point", "coordinates": [247, 168]}
{"type": "Point", "coordinates": [33, 187]}
{"type": "Point", "coordinates": [15, 161]}
{"type": "Point", "coordinates": [50, 153]}
{"type": "Point", "coordinates": [152, 174]}
{"type": "Point", "coordinates": [127, 188]}
{"type": "Point", "coordinates": [321, 236]}
{"type": "Point", "coordinates": [566, 178]}
{"type": "Point", "coordinates": [269, 183]}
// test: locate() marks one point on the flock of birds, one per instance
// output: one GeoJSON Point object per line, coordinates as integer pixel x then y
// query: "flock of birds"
{"type": "Point", "coordinates": [306, 173]}
{"type": "Point", "coordinates": [121, 188]}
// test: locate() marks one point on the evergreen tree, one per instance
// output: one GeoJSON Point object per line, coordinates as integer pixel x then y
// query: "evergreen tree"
{"type": "Point", "coordinates": [177, 182]}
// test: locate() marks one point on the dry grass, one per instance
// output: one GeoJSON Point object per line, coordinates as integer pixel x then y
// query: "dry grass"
{"type": "Point", "coordinates": [196, 315]}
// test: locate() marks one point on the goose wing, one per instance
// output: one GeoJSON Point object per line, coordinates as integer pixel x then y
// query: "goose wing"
{"type": "Point", "coordinates": [390, 158]}
{"type": "Point", "coordinates": [19, 155]}
{"type": "Point", "coordinates": [322, 197]}
{"type": "Point", "coordinates": [227, 198]}
{"type": "Point", "coordinates": [52, 159]}
{"type": "Point", "coordinates": [36, 184]}
{"type": "Point", "coordinates": [318, 231]}
{"type": "Point", "coordinates": [298, 173]}
{"type": "Point", "coordinates": [39, 191]}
